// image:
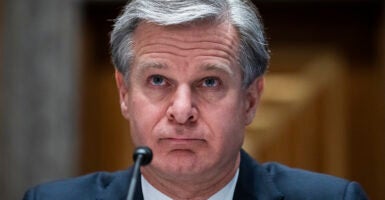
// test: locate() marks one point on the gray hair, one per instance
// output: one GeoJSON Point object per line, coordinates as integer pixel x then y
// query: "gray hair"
{"type": "Point", "coordinates": [242, 14]}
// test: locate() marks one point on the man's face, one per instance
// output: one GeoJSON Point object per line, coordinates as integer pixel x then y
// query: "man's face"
{"type": "Point", "coordinates": [184, 98]}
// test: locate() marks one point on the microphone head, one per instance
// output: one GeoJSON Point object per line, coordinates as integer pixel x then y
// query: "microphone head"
{"type": "Point", "coordinates": [146, 154]}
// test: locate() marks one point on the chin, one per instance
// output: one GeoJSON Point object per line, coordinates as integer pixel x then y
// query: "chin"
{"type": "Point", "coordinates": [183, 165]}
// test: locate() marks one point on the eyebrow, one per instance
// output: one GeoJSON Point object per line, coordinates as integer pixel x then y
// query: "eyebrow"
{"type": "Point", "coordinates": [206, 67]}
{"type": "Point", "coordinates": [147, 65]}
{"type": "Point", "coordinates": [218, 67]}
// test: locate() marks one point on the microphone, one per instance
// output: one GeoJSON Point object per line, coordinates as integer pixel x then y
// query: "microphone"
{"type": "Point", "coordinates": [142, 156]}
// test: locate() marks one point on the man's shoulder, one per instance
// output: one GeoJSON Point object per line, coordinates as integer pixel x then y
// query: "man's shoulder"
{"type": "Point", "coordinates": [292, 183]}
{"type": "Point", "coordinates": [298, 183]}
{"type": "Point", "coordinates": [282, 173]}
{"type": "Point", "coordinates": [82, 187]}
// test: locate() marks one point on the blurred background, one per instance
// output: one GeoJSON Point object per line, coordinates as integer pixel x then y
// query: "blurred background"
{"type": "Point", "coordinates": [323, 108]}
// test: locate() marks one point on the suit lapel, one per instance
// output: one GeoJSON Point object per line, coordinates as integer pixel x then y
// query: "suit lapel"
{"type": "Point", "coordinates": [254, 181]}
{"type": "Point", "coordinates": [116, 187]}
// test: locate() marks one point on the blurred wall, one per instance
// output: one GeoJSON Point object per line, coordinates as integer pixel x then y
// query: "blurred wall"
{"type": "Point", "coordinates": [39, 81]}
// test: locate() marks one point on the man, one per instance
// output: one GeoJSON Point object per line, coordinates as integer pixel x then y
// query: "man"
{"type": "Point", "coordinates": [190, 77]}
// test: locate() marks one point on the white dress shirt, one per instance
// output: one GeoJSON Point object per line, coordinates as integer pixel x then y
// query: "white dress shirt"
{"type": "Point", "coordinates": [226, 193]}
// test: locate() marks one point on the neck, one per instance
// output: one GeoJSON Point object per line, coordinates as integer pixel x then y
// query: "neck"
{"type": "Point", "coordinates": [192, 188]}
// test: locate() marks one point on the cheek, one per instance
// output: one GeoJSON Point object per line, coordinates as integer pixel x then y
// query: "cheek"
{"type": "Point", "coordinates": [227, 121]}
{"type": "Point", "coordinates": [144, 117]}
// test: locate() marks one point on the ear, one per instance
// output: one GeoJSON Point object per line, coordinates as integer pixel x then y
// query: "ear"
{"type": "Point", "coordinates": [253, 97]}
{"type": "Point", "coordinates": [123, 93]}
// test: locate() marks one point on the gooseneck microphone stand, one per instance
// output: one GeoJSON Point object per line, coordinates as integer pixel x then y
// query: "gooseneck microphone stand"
{"type": "Point", "coordinates": [142, 156]}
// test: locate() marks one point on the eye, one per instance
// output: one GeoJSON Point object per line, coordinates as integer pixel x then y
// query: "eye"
{"type": "Point", "coordinates": [157, 80]}
{"type": "Point", "coordinates": [210, 82]}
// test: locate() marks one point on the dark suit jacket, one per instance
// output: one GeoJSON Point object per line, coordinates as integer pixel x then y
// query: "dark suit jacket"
{"type": "Point", "coordinates": [255, 181]}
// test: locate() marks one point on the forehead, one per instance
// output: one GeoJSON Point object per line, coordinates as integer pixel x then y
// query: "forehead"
{"type": "Point", "coordinates": [202, 26]}
{"type": "Point", "coordinates": [204, 43]}
{"type": "Point", "coordinates": [198, 33]}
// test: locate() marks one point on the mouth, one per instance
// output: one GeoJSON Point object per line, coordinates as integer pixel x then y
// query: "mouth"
{"type": "Point", "coordinates": [182, 143]}
{"type": "Point", "coordinates": [182, 140]}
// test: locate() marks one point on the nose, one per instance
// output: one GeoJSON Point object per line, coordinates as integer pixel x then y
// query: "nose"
{"type": "Point", "coordinates": [182, 109]}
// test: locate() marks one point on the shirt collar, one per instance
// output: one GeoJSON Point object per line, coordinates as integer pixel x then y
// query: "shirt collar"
{"type": "Point", "coordinates": [226, 193]}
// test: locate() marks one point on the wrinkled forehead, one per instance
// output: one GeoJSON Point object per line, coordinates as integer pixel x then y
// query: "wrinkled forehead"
{"type": "Point", "coordinates": [217, 44]}
{"type": "Point", "coordinates": [223, 33]}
